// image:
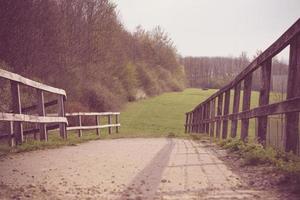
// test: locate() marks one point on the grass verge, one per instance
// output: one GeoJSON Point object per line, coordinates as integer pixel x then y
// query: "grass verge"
{"type": "Point", "coordinates": [160, 116]}
{"type": "Point", "coordinates": [254, 153]}
{"type": "Point", "coordinates": [55, 141]}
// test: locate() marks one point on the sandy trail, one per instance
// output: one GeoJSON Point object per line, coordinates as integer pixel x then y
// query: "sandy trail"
{"type": "Point", "coordinates": [122, 169]}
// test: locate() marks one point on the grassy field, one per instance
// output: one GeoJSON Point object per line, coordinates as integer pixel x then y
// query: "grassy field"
{"type": "Point", "coordinates": [159, 116]}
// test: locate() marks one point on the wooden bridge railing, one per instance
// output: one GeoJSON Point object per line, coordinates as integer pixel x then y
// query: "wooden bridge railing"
{"type": "Point", "coordinates": [17, 116]}
{"type": "Point", "coordinates": [212, 115]}
{"type": "Point", "coordinates": [97, 125]}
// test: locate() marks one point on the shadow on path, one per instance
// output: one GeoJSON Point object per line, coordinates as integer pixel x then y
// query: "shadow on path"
{"type": "Point", "coordinates": [146, 182]}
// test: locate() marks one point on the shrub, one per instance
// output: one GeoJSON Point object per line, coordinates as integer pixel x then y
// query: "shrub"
{"type": "Point", "coordinates": [99, 99]}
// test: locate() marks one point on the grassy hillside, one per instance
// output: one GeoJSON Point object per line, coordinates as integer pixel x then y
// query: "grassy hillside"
{"type": "Point", "coordinates": [164, 114]}
{"type": "Point", "coordinates": [161, 115]}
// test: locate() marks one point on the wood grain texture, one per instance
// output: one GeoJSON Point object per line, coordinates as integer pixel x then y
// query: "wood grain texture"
{"type": "Point", "coordinates": [235, 108]}
{"type": "Point", "coordinates": [31, 118]}
{"type": "Point", "coordinates": [109, 123]}
{"type": "Point", "coordinates": [212, 117]}
{"type": "Point", "coordinates": [97, 118]}
{"type": "Point", "coordinates": [264, 96]}
{"type": "Point", "coordinates": [80, 125]}
{"type": "Point", "coordinates": [61, 113]}
{"type": "Point", "coordinates": [219, 113]}
{"type": "Point", "coordinates": [117, 122]}
{"type": "Point", "coordinates": [293, 90]}
{"type": "Point", "coordinates": [225, 112]}
{"type": "Point", "coordinates": [246, 105]}
{"type": "Point", "coordinates": [92, 127]}
{"type": "Point", "coordinates": [17, 109]}
{"type": "Point", "coordinates": [20, 79]}
{"type": "Point", "coordinates": [42, 113]}
{"type": "Point", "coordinates": [92, 113]}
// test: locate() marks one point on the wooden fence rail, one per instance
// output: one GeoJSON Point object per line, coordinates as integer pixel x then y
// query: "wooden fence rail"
{"type": "Point", "coordinates": [17, 116]}
{"type": "Point", "coordinates": [97, 125]}
{"type": "Point", "coordinates": [212, 118]}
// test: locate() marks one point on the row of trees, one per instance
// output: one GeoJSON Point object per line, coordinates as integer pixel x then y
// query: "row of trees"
{"type": "Point", "coordinates": [212, 72]}
{"type": "Point", "coordinates": [81, 46]}
{"type": "Point", "coordinates": [215, 72]}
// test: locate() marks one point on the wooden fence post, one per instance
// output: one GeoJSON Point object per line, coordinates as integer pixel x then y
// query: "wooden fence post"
{"type": "Point", "coordinates": [207, 117]}
{"type": "Point", "coordinates": [17, 108]}
{"type": "Point", "coordinates": [11, 139]}
{"type": "Point", "coordinates": [61, 113]}
{"type": "Point", "coordinates": [246, 105]}
{"type": "Point", "coordinates": [98, 123]}
{"type": "Point", "coordinates": [186, 122]}
{"type": "Point", "coordinates": [203, 118]}
{"type": "Point", "coordinates": [198, 120]}
{"type": "Point", "coordinates": [109, 122]}
{"type": "Point", "coordinates": [219, 113]}
{"type": "Point", "coordinates": [190, 122]}
{"type": "Point", "coordinates": [80, 124]}
{"type": "Point", "coordinates": [193, 122]}
{"type": "Point", "coordinates": [212, 114]}
{"type": "Point", "coordinates": [264, 99]}
{"type": "Point", "coordinates": [42, 112]}
{"type": "Point", "coordinates": [293, 90]}
{"type": "Point", "coordinates": [235, 109]}
{"type": "Point", "coordinates": [226, 112]}
{"type": "Point", "coordinates": [117, 122]}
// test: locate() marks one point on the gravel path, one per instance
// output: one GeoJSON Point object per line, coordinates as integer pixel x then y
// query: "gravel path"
{"type": "Point", "coordinates": [123, 169]}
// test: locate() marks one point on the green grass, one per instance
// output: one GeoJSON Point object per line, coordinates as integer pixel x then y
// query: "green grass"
{"type": "Point", "coordinates": [161, 116]}
{"type": "Point", "coordinates": [254, 153]}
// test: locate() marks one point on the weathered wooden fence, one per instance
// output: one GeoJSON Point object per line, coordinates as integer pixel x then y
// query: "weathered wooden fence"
{"type": "Point", "coordinates": [80, 127]}
{"type": "Point", "coordinates": [212, 115]}
{"type": "Point", "coordinates": [17, 117]}
{"type": "Point", "coordinates": [20, 115]}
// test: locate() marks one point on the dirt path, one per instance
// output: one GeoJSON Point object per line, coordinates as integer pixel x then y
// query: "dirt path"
{"type": "Point", "coordinates": [123, 169]}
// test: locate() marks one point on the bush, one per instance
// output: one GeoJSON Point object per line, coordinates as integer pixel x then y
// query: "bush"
{"type": "Point", "coordinates": [100, 99]}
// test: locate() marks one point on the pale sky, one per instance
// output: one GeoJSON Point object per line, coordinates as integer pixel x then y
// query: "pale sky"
{"type": "Point", "coordinates": [213, 27]}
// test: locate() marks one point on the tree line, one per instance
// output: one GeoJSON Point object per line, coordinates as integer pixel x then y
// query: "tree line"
{"type": "Point", "coordinates": [82, 47]}
{"type": "Point", "coordinates": [216, 72]}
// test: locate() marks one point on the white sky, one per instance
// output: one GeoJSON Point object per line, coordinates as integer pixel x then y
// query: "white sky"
{"type": "Point", "coordinates": [213, 27]}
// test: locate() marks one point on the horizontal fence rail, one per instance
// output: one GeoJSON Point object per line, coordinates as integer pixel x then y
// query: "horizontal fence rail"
{"type": "Point", "coordinates": [97, 116]}
{"type": "Point", "coordinates": [214, 114]}
{"type": "Point", "coordinates": [18, 115]}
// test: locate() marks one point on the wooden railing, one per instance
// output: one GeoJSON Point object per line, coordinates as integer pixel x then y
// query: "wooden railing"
{"type": "Point", "coordinates": [17, 116]}
{"type": "Point", "coordinates": [212, 114]}
{"type": "Point", "coordinates": [97, 116]}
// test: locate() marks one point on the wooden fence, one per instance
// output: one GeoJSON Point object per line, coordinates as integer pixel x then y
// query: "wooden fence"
{"type": "Point", "coordinates": [17, 116]}
{"type": "Point", "coordinates": [80, 127]}
{"type": "Point", "coordinates": [212, 115]}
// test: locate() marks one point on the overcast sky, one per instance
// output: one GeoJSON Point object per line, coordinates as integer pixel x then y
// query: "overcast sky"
{"type": "Point", "coordinates": [213, 27]}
